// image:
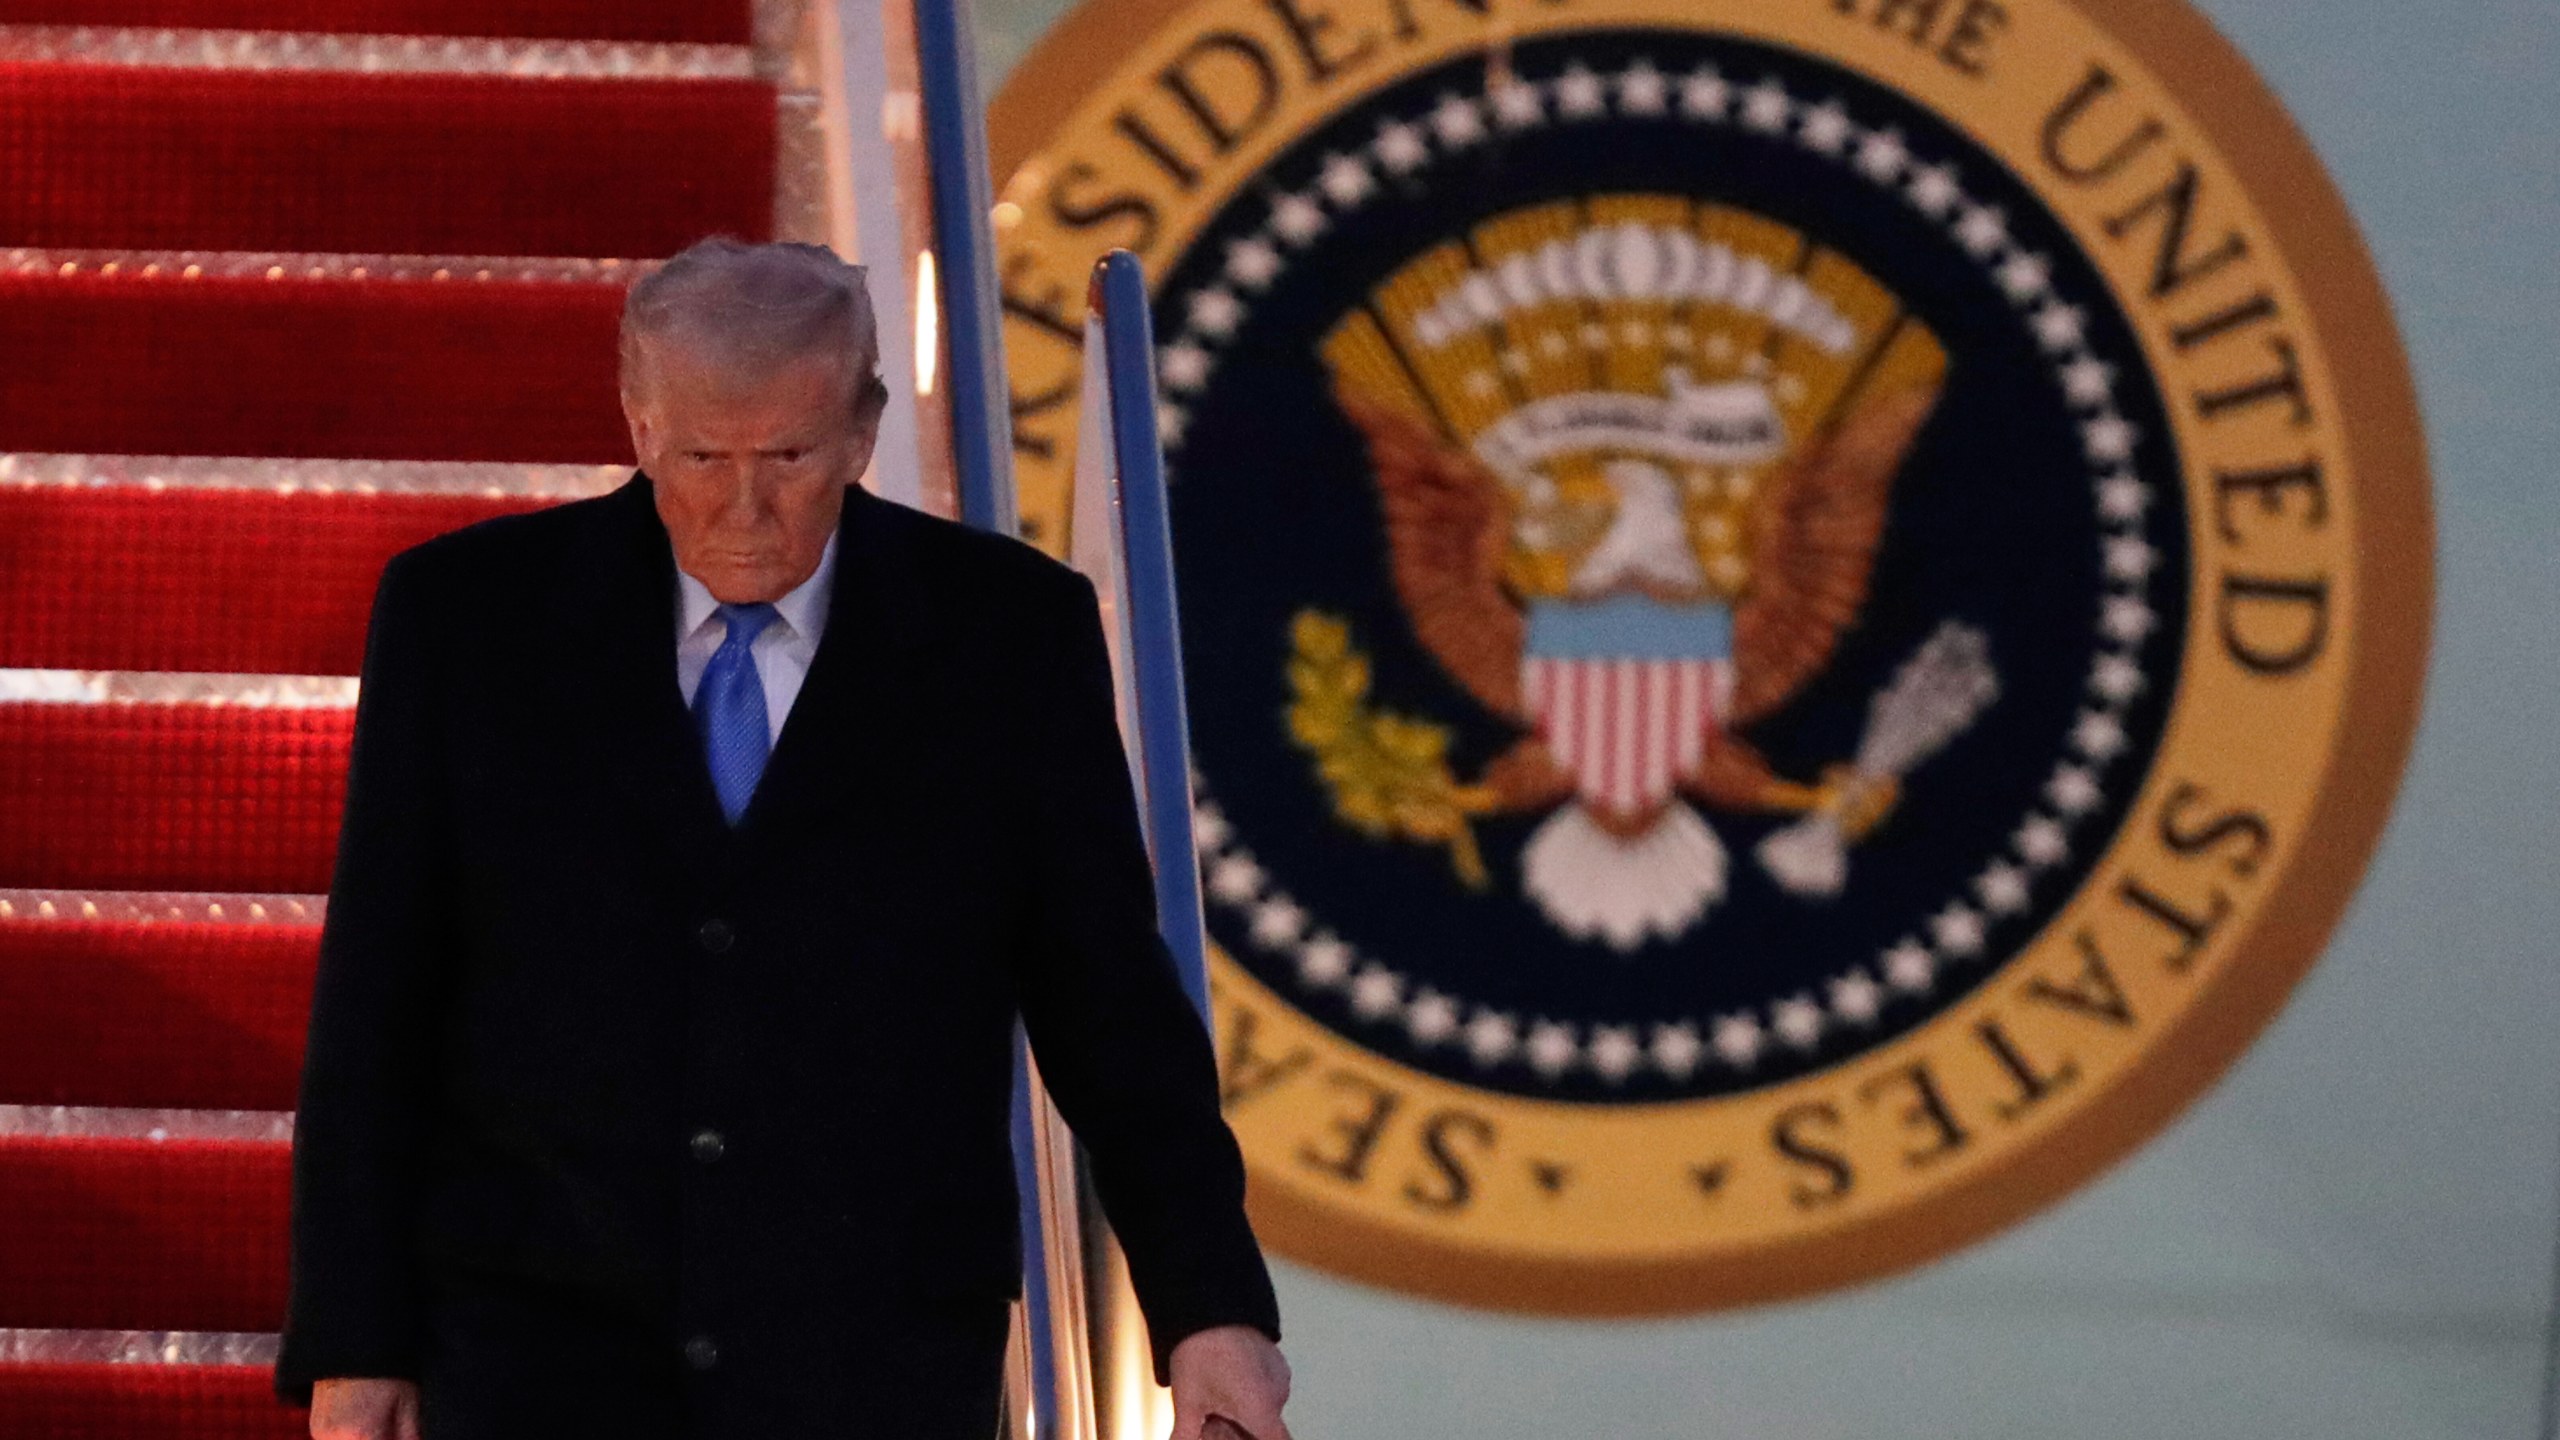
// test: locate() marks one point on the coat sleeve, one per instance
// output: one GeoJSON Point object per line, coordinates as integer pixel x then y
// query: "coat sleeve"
{"type": "Point", "coordinates": [361, 1127]}
{"type": "Point", "coordinates": [1120, 1047]}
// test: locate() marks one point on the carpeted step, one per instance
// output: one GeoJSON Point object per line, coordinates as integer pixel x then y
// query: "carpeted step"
{"type": "Point", "coordinates": [136, 1234]}
{"type": "Point", "coordinates": [145, 1402]}
{"type": "Point", "coordinates": [273, 578]}
{"type": "Point", "coordinates": [139, 158]}
{"type": "Point", "coordinates": [227, 795]}
{"type": "Point", "coordinates": [153, 1014]}
{"type": "Point", "coordinates": [145, 361]}
{"type": "Point", "coordinates": [706, 22]}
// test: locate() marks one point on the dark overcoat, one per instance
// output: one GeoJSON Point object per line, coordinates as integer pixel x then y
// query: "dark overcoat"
{"type": "Point", "coordinates": [617, 1119]}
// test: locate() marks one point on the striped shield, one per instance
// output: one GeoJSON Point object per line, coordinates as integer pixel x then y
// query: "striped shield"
{"type": "Point", "coordinates": [1626, 693]}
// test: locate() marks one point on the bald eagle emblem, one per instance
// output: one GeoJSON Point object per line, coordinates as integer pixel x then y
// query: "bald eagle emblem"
{"type": "Point", "coordinates": [1633, 458]}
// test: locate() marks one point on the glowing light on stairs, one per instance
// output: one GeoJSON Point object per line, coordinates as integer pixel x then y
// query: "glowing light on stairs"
{"type": "Point", "coordinates": [928, 323]}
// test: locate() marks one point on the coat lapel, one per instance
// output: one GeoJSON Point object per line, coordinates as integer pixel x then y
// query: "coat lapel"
{"type": "Point", "coordinates": [841, 724]}
{"type": "Point", "coordinates": [640, 729]}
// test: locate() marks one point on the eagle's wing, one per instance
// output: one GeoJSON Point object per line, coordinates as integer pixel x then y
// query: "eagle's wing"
{"type": "Point", "coordinates": [1810, 569]}
{"type": "Point", "coordinates": [1447, 533]}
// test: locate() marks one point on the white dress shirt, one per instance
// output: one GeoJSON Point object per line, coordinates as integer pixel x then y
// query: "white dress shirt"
{"type": "Point", "coordinates": [782, 652]}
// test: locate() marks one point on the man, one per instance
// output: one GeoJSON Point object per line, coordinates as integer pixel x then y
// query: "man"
{"type": "Point", "coordinates": [703, 842]}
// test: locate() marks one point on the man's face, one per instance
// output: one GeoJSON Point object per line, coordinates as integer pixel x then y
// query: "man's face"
{"type": "Point", "coordinates": [749, 472]}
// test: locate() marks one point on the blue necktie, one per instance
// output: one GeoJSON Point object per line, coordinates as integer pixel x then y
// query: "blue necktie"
{"type": "Point", "coordinates": [728, 708]}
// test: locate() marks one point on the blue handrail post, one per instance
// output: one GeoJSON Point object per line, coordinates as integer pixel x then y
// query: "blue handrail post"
{"type": "Point", "coordinates": [1084, 1337]}
{"type": "Point", "coordinates": [982, 464]}
{"type": "Point", "coordinates": [963, 197]}
{"type": "Point", "coordinates": [1153, 618]}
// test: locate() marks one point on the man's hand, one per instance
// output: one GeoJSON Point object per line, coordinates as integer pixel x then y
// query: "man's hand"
{"type": "Point", "coordinates": [364, 1410]}
{"type": "Point", "coordinates": [1234, 1373]}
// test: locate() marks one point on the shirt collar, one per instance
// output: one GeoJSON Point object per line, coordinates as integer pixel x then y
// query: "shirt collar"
{"type": "Point", "coordinates": [804, 609]}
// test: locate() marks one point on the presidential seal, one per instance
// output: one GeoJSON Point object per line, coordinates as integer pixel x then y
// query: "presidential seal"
{"type": "Point", "coordinates": [1799, 616]}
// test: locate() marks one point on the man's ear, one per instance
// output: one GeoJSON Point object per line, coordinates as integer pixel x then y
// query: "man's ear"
{"type": "Point", "coordinates": [643, 428]}
{"type": "Point", "coordinates": [870, 406]}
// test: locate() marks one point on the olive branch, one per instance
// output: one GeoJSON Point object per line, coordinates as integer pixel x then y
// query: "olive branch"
{"type": "Point", "coordinates": [1389, 774]}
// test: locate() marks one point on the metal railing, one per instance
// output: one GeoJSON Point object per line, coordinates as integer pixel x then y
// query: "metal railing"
{"type": "Point", "coordinates": [1080, 1367]}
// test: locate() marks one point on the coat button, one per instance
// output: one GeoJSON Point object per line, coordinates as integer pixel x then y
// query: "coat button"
{"type": "Point", "coordinates": [708, 1146]}
{"type": "Point", "coordinates": [701, 1352]}
{"type": "Point", "coordinates": [716, 936]}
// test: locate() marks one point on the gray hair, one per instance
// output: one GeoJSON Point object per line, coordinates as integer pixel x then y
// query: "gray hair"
{"type": "Point", "coordinates": [754, 308]}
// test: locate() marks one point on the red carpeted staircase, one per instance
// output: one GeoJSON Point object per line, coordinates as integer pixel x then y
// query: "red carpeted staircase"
{"type": "Point", "coordinates": [285, 286]}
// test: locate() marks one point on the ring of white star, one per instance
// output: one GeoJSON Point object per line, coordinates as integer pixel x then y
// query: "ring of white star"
{"type": "Point", "coordinates": [1957, 934]}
